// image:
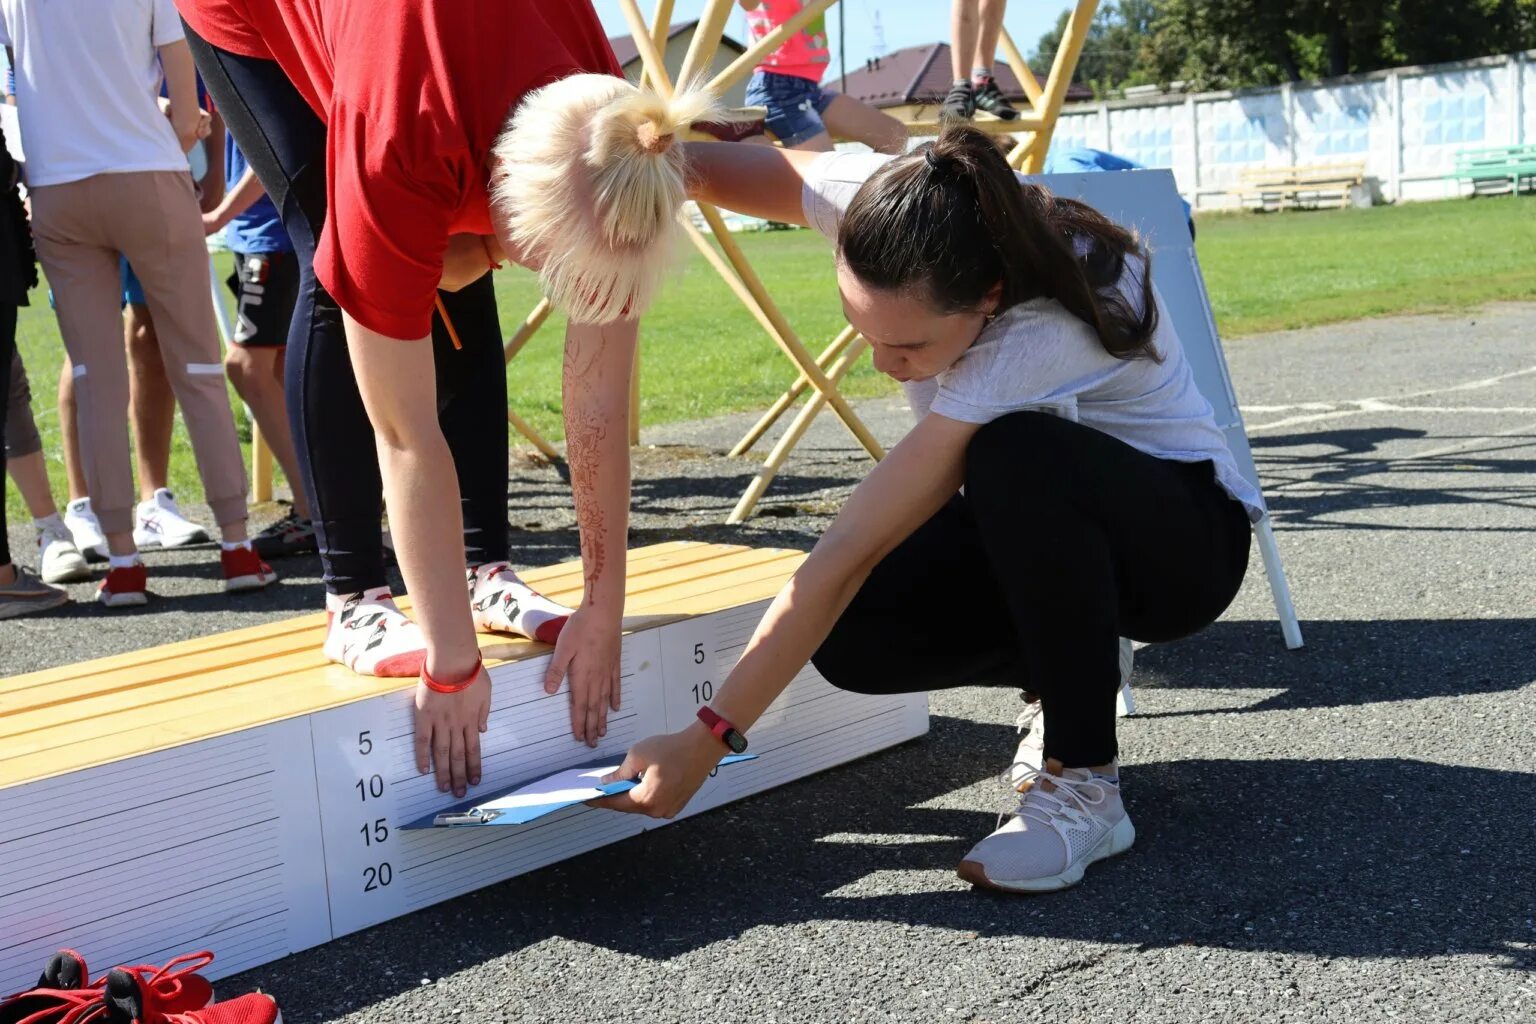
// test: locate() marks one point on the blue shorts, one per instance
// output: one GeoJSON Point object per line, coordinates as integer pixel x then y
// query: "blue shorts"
{"type": "Point", "coordinates": [795, 105]}
{"type": "Point", "coordinates": [133, 292]}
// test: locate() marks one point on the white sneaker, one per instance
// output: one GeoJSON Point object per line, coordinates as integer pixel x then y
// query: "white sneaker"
{"type": "Point", "coordinates": [158, 523]}
{"type": "Point", "coordinates": [1054, 834]}
{"type": "Point", "coordinates": [371, 636]}
{"type": "Point", "coordinates": [58, 560]}
{"type": "Point", "coordinates": [1030, 756]}
{"type": "Point", "coordinates": [85, 528]}
{"type": "Point", "coordinates": [502, 603]}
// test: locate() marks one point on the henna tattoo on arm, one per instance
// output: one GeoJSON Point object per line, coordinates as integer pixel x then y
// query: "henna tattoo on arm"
{"type": "Point", "coordinates": [586, 434]}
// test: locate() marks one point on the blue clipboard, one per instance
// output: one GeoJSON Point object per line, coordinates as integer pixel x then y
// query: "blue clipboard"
{"type": "Point", "coordinates": [529, 801]}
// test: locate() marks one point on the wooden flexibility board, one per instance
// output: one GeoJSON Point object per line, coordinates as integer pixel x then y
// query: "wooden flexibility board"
{"type": "Point", "coordinates": [236, 793]}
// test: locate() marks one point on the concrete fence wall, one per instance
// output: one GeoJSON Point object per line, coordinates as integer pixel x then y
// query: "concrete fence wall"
{"type": "Point", "coordinates": [1405, 124]}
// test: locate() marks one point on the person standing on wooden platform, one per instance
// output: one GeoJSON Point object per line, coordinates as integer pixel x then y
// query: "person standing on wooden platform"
{"type": "Point", "coordinates": [372, 127]}
{"type": "Point", "coordinates": [802, 114]}
{"type": "Point", "coordinates": [1099, 498]}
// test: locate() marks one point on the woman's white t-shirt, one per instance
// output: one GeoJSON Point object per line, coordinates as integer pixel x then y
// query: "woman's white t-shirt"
{"type": "Point", "coordinates": [1038, 356]}
{"type": "Point", "coordinates": [87, 81]}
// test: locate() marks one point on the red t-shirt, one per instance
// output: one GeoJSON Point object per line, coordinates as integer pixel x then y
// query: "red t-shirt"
{"type": "Point", "coordinates": [413, 93]}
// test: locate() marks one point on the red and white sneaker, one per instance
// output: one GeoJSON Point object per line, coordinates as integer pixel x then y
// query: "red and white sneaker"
{"type": "Point", "coordinates": [370, 635]}
{"type": "Point", "coordinates": [244, 570]}
{"type": "Point", "coordinates": [124, 587]}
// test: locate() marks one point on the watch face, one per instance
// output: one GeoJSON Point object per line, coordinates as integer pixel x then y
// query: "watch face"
{"type": "Point", "coordinates": [736, 741]}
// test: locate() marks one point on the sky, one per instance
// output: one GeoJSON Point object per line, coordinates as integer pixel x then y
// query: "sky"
{"type": "Point", "coordinates": [904, 23]}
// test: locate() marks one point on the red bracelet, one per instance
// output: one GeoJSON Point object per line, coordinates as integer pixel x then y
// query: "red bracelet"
{"type": "Point", "coordinates": [466, 683]}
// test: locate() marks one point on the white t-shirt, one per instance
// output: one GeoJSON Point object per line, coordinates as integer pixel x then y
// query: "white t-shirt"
{"type": "Point", "coordinates": [87, 78]}
{"type": "Point", "coordinates": [1038, 356]}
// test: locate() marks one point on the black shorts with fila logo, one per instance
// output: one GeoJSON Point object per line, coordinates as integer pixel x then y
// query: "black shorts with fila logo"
{"type": "Point", "coordinates": [266, 285]}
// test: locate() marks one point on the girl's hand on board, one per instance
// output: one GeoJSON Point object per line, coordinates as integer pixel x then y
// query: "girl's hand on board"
{"type": "Point", "coordinates": [448, 728]}
{"type": "Point", "coordinates": [674, 765]}
{"type": "Point", "coordinates": [587, 654]}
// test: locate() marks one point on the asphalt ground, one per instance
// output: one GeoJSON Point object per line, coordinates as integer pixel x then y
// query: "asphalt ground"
{"type": "Point", "coordinates": [1341, 833]}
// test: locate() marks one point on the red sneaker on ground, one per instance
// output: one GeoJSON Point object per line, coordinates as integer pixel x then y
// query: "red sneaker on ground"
{"type": "Point", "coordinates": [129, 998]}
{"type": "Point", "coordinates": [64, 987]}
{"type": "Point", "coordinates": [124, 588]}
{"type": "Point", "coordinates": [244, 570]}
{"type": "Point", "coordinates": [65, 992]}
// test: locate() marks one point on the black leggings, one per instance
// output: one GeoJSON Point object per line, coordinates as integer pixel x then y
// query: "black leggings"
{"type": "Point", "coordinates": [7, 353]}
{"type": "Point", "coordinates": [1065, 540]}
{"type": "Point", "coordinates": [285, 141]}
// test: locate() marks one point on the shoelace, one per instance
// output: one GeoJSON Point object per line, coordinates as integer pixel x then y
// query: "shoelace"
{"type": "Point", "coordinates": [84, 1004]}
{"type": "Point", "coordinates": [1027, 722]}
{"type": "Point", "coordinates": [1065, 806]}
{"type": "Point", "coordinates": [166, 980]}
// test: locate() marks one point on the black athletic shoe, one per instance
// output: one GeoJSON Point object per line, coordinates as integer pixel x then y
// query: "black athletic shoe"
{"type": "Point", "coordinates": [290, 535]}
{"type": "Point", "coordinates": [960, 104]}
{"type": "Point", "coordinates": [990, 98]}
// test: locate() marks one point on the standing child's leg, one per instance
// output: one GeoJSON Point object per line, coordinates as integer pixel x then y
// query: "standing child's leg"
{"type": "Point", "coordinates": [266, 287]}
{"type": "Point", "coordinates": [158, 521]}
{"type": "Point", "coordinates": [58, 559]}
{"type": "Point", "coordinates": [964, 27]}
{"type": "Point", "coordinates": [21, 593]}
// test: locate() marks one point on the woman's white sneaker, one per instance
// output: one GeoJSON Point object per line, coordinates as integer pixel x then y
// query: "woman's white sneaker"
{"type": "Point", "coordinates": [58, 560]}
{"type": "Point", "coordinates": [1064, 822]}
{"type": "Point", "coordinates": [1030, 757]}
{"type": "Point", "coordinates": [85, 528]}
{"type": "Point", "coordinates": [372, 637]}
{"type": "Point", "coordinates": [158, 523]}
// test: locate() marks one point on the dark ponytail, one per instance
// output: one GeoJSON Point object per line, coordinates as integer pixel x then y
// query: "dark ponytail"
{"type": "Point", "coordinates": [951, 219]}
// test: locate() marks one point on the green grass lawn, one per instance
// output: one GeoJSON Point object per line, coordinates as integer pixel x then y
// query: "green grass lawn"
{"type": "Point", "coordinates": [703, 354]}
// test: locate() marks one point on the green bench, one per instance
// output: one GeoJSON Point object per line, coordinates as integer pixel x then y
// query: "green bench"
{"type": "Point", "coordinates": [1498, 170]}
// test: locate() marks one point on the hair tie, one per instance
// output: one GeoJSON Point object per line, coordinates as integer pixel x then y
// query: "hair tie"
{"type": "Point", "coordinates": [936, 163]}
{"type": "Point", "coordinates": [652, 139]}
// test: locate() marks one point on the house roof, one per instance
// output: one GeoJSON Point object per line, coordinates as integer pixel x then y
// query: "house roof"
{"type": "Point", "coordinates": [921, 74]}
{"type": "Point", "coordinates": [626, 51]}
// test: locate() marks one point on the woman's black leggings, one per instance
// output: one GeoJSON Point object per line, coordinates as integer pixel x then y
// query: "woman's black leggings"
{"type": "Point", "coordinates": [285, 141]}
{"type": "Point", "coordinates": [1065, 540]}
{"type": "Point", "coordinates": [7, 353]}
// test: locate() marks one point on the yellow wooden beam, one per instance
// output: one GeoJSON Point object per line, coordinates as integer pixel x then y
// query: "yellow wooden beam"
{"type": "Point", "coordinates": [706, 40]}
{"type": "Point", "coordinates": [1020, 67]}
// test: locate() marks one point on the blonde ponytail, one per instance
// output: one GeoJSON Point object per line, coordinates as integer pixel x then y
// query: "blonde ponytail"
{"type": "Point", "coordinates": [589, 182]}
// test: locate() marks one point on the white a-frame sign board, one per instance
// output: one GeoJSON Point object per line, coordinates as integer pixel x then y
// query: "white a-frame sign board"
{"type": "Point", "coordinates": [1149, 202]}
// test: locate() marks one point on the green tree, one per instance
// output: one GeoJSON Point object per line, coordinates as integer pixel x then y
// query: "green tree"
{"type": "Point", "coordinates": [1214, 44]}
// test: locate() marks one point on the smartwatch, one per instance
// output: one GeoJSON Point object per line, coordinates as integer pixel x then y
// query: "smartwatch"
{"type": "Point", "coordinates": [724, 731]}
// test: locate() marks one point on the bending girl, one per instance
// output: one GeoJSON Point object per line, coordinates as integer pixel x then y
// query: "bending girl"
{"type": "Point", "coordinates": [375, 128]}
{"type": "Point", "coordinates": [1099, 498]}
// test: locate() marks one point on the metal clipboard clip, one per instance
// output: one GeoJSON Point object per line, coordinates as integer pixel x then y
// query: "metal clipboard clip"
{"type": "Point", "coordinates": [473, 816]}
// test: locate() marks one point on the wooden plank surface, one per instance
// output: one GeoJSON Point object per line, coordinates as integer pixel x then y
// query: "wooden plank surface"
{"type": "Point", "coordinates": [94, 712]}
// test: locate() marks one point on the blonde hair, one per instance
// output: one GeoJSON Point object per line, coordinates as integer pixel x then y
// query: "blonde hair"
{"type": "Point", "coordinates": [590, 184]}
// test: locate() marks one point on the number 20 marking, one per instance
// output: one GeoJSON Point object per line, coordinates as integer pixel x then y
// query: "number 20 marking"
{"type": "Point", "coordinates": [377, 878]}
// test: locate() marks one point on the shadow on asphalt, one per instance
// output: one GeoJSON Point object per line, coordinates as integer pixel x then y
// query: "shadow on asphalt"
{"type": "Point", "coordinates": [1346, 663]}
{"type": "Point", "coordinates": [1326, 858]}
{"type": "Point", "coordinates": [1336, 474]}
